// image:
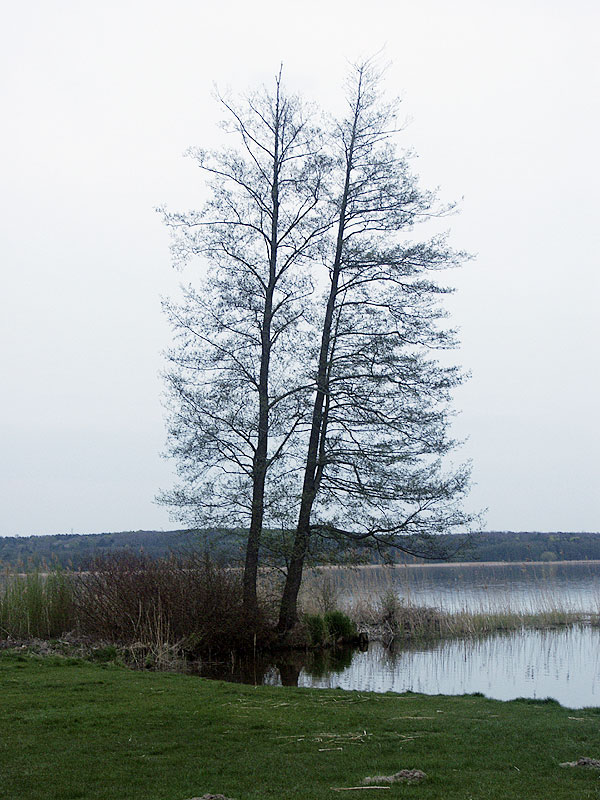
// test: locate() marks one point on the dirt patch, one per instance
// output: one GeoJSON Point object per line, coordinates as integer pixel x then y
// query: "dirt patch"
{"type": "Point", "coordinates": [404, 776]}
{"type": "Point", "coordinates": [211, 797]}
{"type": "Point", "coordinates": [69, 645]}
{"type": "Point", "coordinates": [589, 763]}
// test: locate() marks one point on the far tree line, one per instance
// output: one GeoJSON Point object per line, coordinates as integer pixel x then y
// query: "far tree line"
{"type": "Point", "coordinates": [77, 550]}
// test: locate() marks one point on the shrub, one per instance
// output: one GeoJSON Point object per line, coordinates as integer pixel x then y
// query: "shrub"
{"type": "Point", "coordinates": [165, 606]}
{"type": "Point", "coordinates": [340, 626]}
{"type": "Point", "coordinates": [332, 626]}
{"type": "Point", "coordinates": [317, 630]}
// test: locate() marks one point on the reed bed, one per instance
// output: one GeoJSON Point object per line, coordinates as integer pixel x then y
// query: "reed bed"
{"type": "Point", "coordinates": [157, 610]}
{"type": "Point", "coordinates": [164, 610]}
{"type": "Point", "coordinates": [35, 605]}
{"type": "Point", "coordinates": [382, 602]}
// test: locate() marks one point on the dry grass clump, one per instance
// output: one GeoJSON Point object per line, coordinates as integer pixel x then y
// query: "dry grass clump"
{"type": "Point", "coordinates": [320, 592]}
{"type": "Point", "coordinates": [403, 776]}
{"type": "Point", "coordinates": [389, 618]}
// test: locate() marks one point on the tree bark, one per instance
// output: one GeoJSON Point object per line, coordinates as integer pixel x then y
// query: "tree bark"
{"type": "Point", "coordinates": [259, 472]}
{"type": "Point", "coordinates": [288, 612]}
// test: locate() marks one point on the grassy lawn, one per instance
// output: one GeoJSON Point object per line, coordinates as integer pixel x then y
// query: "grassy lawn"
{"type": "Point", "coordinates": [72, 729]}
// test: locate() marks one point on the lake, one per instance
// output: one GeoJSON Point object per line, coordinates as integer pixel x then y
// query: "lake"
{"type": "Point", "coordinates": [563, 663]}
{"type": "Point", "coordinates": [520, 587]}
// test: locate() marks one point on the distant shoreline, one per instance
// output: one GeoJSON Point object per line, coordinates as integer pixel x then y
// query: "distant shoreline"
{"type": "Point", "coordinates": [437, 565]}
{"type": "Point", "coordinates": [445, 564]}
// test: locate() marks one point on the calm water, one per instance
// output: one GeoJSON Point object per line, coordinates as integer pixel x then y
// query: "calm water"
{"type": "Point", "coordinates": [563, 663]}
{"type": "Point", "coordinates": [570, 586]}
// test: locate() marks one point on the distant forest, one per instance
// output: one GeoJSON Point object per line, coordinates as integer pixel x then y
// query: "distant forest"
{"type": "Point", "coordinates": [77, 550]}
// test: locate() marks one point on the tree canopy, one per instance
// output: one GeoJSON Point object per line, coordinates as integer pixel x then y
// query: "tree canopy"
{"type": "Point", "coordinates": [305, 387]}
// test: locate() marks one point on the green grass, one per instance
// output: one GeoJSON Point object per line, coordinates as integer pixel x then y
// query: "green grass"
{"type": "Point", "coordinates": [72, 729]}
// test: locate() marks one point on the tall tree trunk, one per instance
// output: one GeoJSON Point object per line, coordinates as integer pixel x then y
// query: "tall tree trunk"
{"type": "Point", "coordinates": [259, 469]}
{"type": "Point", "coordinates": [288, 610]}
{"type": "Point", "coordinates": [288, 614]}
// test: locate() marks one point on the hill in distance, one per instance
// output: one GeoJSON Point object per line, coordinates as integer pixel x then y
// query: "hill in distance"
{"type": "Point", "coordinates": [76, 550]}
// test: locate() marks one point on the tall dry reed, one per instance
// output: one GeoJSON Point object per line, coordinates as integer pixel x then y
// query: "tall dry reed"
{"type": "Point", "coordinates": [36, 605]}
{"type": "Point", "coordinates": [382, 601]}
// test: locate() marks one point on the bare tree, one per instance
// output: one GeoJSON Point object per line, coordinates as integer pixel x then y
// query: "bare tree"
{"type": "Point", "coordinates": [379, 426]}
{"type": "Point", "coordinates": [286, 410]}
{"type": "Point", "coordinates": [235, 395]}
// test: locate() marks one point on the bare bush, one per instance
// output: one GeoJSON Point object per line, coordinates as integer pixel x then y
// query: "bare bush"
{"type": "Point", "coordinates": [186, 604]}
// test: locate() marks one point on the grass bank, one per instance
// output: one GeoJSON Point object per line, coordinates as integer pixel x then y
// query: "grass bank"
{"type": "Point", "coordinates": [73, 730]}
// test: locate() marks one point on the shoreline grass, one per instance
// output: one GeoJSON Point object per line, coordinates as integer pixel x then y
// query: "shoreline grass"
{"type": "Point", "coordinates": [375, 605]}
{"type": "Point", "coordinates": [74, 731]}
{"type": "Point", "coordinates": [164, 612]}
{"type": "Point", "coordinates": [388, 619]}
{"type": "Point", "coordinates": [35, 605]}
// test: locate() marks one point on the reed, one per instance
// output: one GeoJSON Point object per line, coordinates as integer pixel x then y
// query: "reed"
{"type": "Point", "coordinates": [157, 611]}
{"type": "Point", "coordinates": [382, 603]}
{"type": "Point", "coordinates": [162, 610]}
{"type": "Point", "coordinates": [36, 605]}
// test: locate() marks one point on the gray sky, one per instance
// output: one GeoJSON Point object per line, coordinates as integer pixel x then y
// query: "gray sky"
{"type": "Point", "coordinates": [100, 100]}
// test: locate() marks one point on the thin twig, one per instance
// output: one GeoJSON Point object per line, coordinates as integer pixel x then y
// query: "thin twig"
{"type": "Point", "coordinates": [356, 788]}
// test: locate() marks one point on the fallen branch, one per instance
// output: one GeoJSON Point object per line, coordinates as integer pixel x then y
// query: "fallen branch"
{"type": "Point", "coordinates": [356, 788]}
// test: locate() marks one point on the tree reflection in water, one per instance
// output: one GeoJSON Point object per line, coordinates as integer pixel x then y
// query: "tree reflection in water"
{"type": "Point", "coordinates": [278, 669]}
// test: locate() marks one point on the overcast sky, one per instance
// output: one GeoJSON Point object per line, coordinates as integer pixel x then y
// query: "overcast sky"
{"type": "Point", "coordinates": [99, 101]}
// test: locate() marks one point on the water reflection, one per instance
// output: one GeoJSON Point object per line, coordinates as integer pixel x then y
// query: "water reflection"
{"type": "Point", "coordinates": [287, 668]}
{"type": "Point", "coordinates": [561, 663]}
